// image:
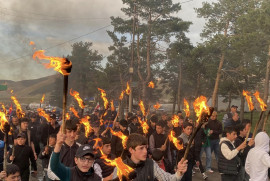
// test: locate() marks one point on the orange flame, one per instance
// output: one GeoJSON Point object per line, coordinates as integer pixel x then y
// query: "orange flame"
{"type": "Point", "coordinates": [249, 100]}
{"type": "Point", "coordinates": [59, 64]}
{"type": "Point", "coordinates": [103, 96]}
{"type": "Point", "coordinates": [3, 120]}
{"type": "Point", "coordinates": [122, 95]}
{"type": "Point", "coordinates": [175, 120]}
{"type": "Point", "coordinates": [112, 106]}
{"type": "Point", "coordinates": [19, 110]}
{"type": "Point", "coordinates": [151, 84]}
{"type": "Point", "coordinates": [4, 109]}
{"type": "Point", "coordinates": [11, 91]}
{"type": "Point", "coordinates": [67, 116]}
{"type": "Point", "coordinates": [96, 146]}
{"type": "Point", "coordinates": [175, 141]}
{"type": "Point", "coordinates": [128, 89]}
{"type": "Point", "coordinates": [41, 112]}
{"type": "Point", "coordinates": [262, 104]}
{"type": "Point", "coordinates": [76, 95]}
{"type": "Point", "coordinates": [42, 99]}
{"type": "Point", "coordinates": [186, 109]}
{"type": "Point", "coordinates": [31, 43]}
{"type": "Point", "coordinates": [72, 109]}
{"type": "Point", "coordinates": [144, 125]}
{"type": "Point", "coordinates": [200, 106]}
{"type": "Point", "coordinates": [157, 106]}
{"type": "Point", "coordinates": [142, 107]}
{"type": "Point", "coordinates": [122, 136]}
{"type": "Point", "coordinates": [86, 123]}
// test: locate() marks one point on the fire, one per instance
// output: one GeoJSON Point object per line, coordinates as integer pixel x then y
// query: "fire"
{"type": "Point", "coordinates": [4, 109]}
{"type": "Point", "coordinates": [103, 96]}
{"type": "Point", "coordinates": [19, 110]}
{"type": "Point", "coordinates": [86, 123]}
{"type": "Point", "coordinates": [59, 64]}
{"type": "Point", "coordinates": [249, 100]}
{"type": "Point", "coordinates": [175, 120]}
{"type": "Point", "coordinates": [200, 106]}
{"type": "Point", "coordinates": [112, 106]}
{"type": "Point", "coordinates": [128, 89]}
{"type": "Point", "coordinates": [142, 107]}
{"type": "Point", "coordinates": [72, 109]}
{"type": "Point", "coordinates": [175, 141]}
{"type": "Point", "coordinates": [157, 106]}
{"type": "Point", "coordinates": [144, 125]}
{"type": "Point", "coordinates": [122, 136]}
{"type": "Point", "coordinates": [96, 146]}
{"type": "Point", "coordinates": [3, 120]}
{"type": "Point", "coordinates": [76, 95]}
{"type": "Point", "coordinates": [122, 95]}
{"type": "Point", "coordinates": [262, 104]}
{"type": "Point", "coordinates": [31, 43]}
{"type": "Point", "coordinates": [42, 99]}
{"type": "Point", "coordinates": [11, 91]}
{"type": "Point", "coordinates": [186, 109]}
{"type": "Point", "coordinates": [151, 84]}
{"type": "Point", "coordinates": [41, 112]}
{"type": "Point", "coordinates": [67, 116]}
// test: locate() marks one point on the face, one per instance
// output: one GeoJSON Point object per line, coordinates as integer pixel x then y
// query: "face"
{"type": "Point", "coordinates": [96, 129]}
{"type": "Point", "coordinates": [14, 177]}
{"type": "Point", "coordinates": [84, 163]}
{"type": "Point", "coordinates": [231, 136]}
{"type": "Point", "coordinates": [187, 130]}
{"type": "Point", "coordinates": [164, 117]}
{"type": "Point", "coordinates": [117, 125]}
{"type": "Point", "coordinates": [139, 153]}
{"type": "Point", "coordinates": [21, 141]}
{"type": "Point", "coordinates": [24, 126]}
{"type": "Point", "coordinates": [159, 129]}
{"type": "Point", "coordinates": [53, 121]}
{"type": "Point", "coordinates": [181, 121]}
{"type": "Point", "coordinates": [233, 109]}
{"type": "Point", "coordinates": [71, 134]}
{"type": "Point", "coordinates": [213, 117]}
{"type": "Point", "coordinates": [169, 124]}
{"type": "Point", "coordinates": [15, 121]}
{"type": "Point", "coordinates": [106, 149]}
{"type": "Point", "coordinates": [135, 120]}
{"type": "Point", "coordinates": [52, 141]}
{"type": "Point", "coordinates": [153, 124]}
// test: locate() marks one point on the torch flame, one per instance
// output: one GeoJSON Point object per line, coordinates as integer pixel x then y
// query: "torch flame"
{"type": "Point", "coordinates": [4, 109]}
{"type": "Point", "coordinates": [122, 95]}
{"type": "Point", "coordinates": [157, 106]}
{"type": "Point", "coordinates": [72, 109]}
{"type": "Point", "coordinates": [112, 106]}
{"type": "Point", "coordinates": [41, 112]}
{"type": "Point", "coordinates": [249, 100]}
{"type": "Point", "coordinates": [67, 116]}
{"type": "Point", "coordinates": [200, 106]}
{"type": "Point", "coordinates": [151, 84]}
{"type": "Point", "coordinates": [144, 125]}
{"type": "Point", "coordinates": [59, 64]}
{"type": "Point", "coordinates": [96, 146]}
{"type": "Point", "coordinates": [3, 120]}
{"type": "Point", "coordinates": [19, 110]}
{"type": "Point", "coordinates": [86, 123]}
{"type": "Point", "coordinates": [175, 141]}
{"type": "Point", "coordinates": [31, 43]}
{"type": "Point", "coordinates": [186, 109]}
{"type": "Point", "coordinates": [122, 136]}
{"type": "Point", "coordinates": [42, 99]}
{"type": "Point", "coordinates": [76, 95]}
{"type": "Point", "coordinates": [175, 120]}
{"type": "Point", "coordinates": [11, 91]}
{"type": "Point", "coordinates": [262, 104]}
{"type": "Point", "coordinates": [103, 96]}
{"type": "Point", "coordinates": [128, 89]}
{"type": "Point", "coordinates": [142, 107]}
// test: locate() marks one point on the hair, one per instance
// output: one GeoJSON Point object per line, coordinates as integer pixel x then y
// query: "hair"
{"type": "Point", "coordinates": [135, 140]}
{"type": "Point", "coordinates": [12, 169]}
{"type": "Point", "coordinates": [24, 120]}
{"type": "Point", "coordinates": [241, 127]}
{"type": "Point", "coordinates": [157, 155]}
{"type": "Point", "coordinates": [71, 125]}
{"type": "Point", "coordinates": [129, 114]}
{"type": "Point", "coordinates": [229, 130]}
{"type": "Point", "coordinates": [161, 123]}
{"type": "Point", "coordinates": [186, 124]}
{"type": "Point", "coordinates": [52, 136]}
{"type": "Point", "coordinates": [245, 122]}
{"type": "Point", "coordinates": [154, 119]}
{"type": "Point", "coordinates": [106, 140]}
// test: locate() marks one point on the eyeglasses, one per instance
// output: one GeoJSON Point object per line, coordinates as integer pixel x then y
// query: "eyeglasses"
{"type": "Point", "coordinates": [89, 160]}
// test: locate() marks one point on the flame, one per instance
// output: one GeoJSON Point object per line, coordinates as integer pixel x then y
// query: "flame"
{"type": "Point", "coordinates": [249, 100]}
{"type": "Point", "coordinates": [122, 136]}
{"type": "Point", "coordinates": [3, 120]}
{"type": "Point", "coordinates": [262, 104]}
{"type": "Point", "coordinates": [72, 109]}
{"type": "Point", "coordinates": [76, 95]}
{"type": "Point", "coordinates": [67, 116]}
{"type": "Point", "coordinates": [122, 95]}
{"type": "Point", "coordinates": [112, 106]}
{"type": "Point", "coordinates": [151, 84]}
{"type": "Point", "coordinates": [128, 89]}
{"type": "Point", "coordinates": [19, 110]}
{"type": "Point", "coordinates": [11, 91]}
{"type": "Point", "coordinates": [144, 125]}
{"type": "Point", "coordinates": [175, 141]}
{"type": "Point", "coordinates": [31, 43]}
{"type": "Point", "coordinates": [41, 112]}
{"type": "Point", "coordinates": [103, 96]}
{"type": "Point", "coordinates": [97, 140]}
{"type": "Point", "coordinates": [175, 120]}
{"type": "Point", "coordinates": [59, 64]}
{"type": "Point", "coordinates": [4, 109]}
{"type": "Point", "coordinates": [200, 106]}
{"type": "Point", "coordinates": [186, 109]}
{"type": "Point", "coordinates": [142, 107]}
{"type": "Point", "coordinates": [42, 99]}
{"type": "Point", "coordinates": [86, 123]}
{"type": "Point", "coordinates": [157, 106]}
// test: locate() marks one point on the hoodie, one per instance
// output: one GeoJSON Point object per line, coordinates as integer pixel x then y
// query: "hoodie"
{"type": "Point", "coordinates": [258, 159]}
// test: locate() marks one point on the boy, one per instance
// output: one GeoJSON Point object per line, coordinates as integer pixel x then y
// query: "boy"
{"type": "Point", "coordinates": [12, 173]}
{"type": "Point", "coordinates": [229, 163]}
{"type": "Point", "coordinates": [22, 154]}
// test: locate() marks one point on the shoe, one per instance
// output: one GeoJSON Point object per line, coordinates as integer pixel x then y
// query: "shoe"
{"type": "Point", "coordinates": [210, 171]}
{"type": "Point", "coordinates": [204, 176]}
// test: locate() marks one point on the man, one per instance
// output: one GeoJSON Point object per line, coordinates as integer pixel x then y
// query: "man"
{"type": "Point", "coordinates": [232, 122]}
{"type": "Point", "coordinates": [152, 126]}
{"type": "Point", "coordinates": [34, 127]}
{"type": "Point", "coordinates": [11, 174]}
{"type": "Point", "coordinates": [146, 168]}
{"type": "Point", "coordinates": [49, 128]}
{"type": "Point", "coordinates": [84, 159]}
{"type": "Point", "coordinates": [230, 114]}
{"type": "Point", "coordinates": [134, 126]}
{"type": "Point", "coordinates": [15, 124]}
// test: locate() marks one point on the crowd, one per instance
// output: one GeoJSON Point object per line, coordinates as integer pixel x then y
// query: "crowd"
{"type": "Point", "coordinates": [69, 154]}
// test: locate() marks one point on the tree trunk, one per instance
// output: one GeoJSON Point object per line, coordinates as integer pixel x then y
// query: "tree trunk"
{"type": "Point", "coordinates": [179, 86]}
{"type": "Point", "coordinates": [266, 84]}
{"type": "Point", "coordinates": [174, 103]}
{"type": "Point", "coordinates": [242, 107]}
{"type": "Point", "coordinates": [230, 102]}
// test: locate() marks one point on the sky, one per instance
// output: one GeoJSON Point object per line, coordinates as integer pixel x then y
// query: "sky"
{"type": "Point", "coordinates": [54, 25]}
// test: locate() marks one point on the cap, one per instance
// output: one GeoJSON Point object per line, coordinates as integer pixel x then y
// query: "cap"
{"type": "Point", "coordinates": [234, 106]}
{"type": "Point", "coordinates": [21, 135]}
{"type": "Point", "coordinates": [123, 123]}
{"type": "Point", "coordinates": [84, 150]}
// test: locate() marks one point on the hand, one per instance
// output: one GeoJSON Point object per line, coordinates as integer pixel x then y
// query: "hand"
{"type": "Point", "coordinates": [35, 155]}
{"type": "Point", "coordinates": [46, 150]}
{"type": "Point", "coordinates": [12, 157]}
{"type": "Point", "coordinates": [210, 132]}
{"type": "Point", "coordinates": [182, 167]}
{"type": "Point", "coordinates": [3, 175]}
{"type": "Point", "coordinates": [242, 146]}
{"type": "Point", "coordinates": [197, 163]}
{"type": "Point", "coordinates": [163, 148]}
{"type": "Point", "coordinates": [61, 137]}
{"type": "Point", "coordinates": [251, 142]}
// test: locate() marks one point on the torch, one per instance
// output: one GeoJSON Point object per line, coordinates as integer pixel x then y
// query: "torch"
{"type": "Point", "coordinates": [250, 107]}
{"type": "Point", "coordinates": [186, 109]}
{"type": "Point", "coordinates": [5, 128]}
{"type": "Point", "coordinates": [76, 96]}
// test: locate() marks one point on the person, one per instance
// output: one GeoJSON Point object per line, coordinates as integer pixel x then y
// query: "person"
{"type": "Point", "coordinates": [229, 163]}
{"type": "Point", "coordinates": [34, 128]}
{"type": "Point", "coordinates": [11, 174]}
{"type": "Point", "coordinates": [158, 157]}
{"type": "Point", "coordinates": [147, 169]}
{"type": "Point", "coordinates": [84, 159]}
{"type": "Point", "coordinates": [152, 125]}
{"type": "Point", "coordinates": [15, 124]}
{"type": "Point", "coordinates": [134, 126]}
{"type": "Point", "coordinates": [49, 128]}
{"type": "Point", "coordinates": [229, 114]}
{"type": "Point", "coordinates": [233, 121]}
{"type": "Point", "coordinates": [22, 154]}
{"type": "Point", "coordinates": [258, 159]}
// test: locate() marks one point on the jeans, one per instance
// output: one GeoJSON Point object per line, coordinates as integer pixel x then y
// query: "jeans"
{"type": "Point", "coordinates": [208, 154]}
{"type": "Point", "coordinates": [214, 144]}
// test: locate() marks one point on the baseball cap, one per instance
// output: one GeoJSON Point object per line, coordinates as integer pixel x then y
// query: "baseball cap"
{"type": "Point", "coordinates": [84, 150]}
{"type": "Point", "coordinates": [21, 135]}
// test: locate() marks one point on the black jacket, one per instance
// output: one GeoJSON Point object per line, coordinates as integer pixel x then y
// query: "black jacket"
{"type": "Point", "coordinates": [67, 154]}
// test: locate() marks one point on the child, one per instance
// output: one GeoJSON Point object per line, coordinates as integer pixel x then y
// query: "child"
{"type": "Point", "coordinates": [11, 174]}
{"type": "Point", "coordinates": [229, 163]}
{"type": "Point", "coordinates": [158, 157]}
{"type": "Point", "coordinates": [22, 154]}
